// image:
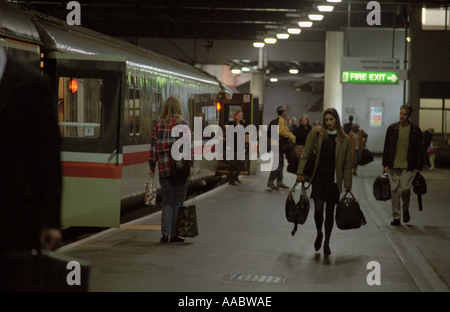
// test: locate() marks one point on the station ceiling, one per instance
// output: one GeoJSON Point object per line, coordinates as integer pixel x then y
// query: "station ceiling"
{"type": "Point", "coordinates": [218, 19]}
{"type": "Point", "coordinates": [226, 20]}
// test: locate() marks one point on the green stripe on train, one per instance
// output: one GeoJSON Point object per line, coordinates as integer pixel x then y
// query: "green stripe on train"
{"type": "Point", "coordinates": [91, 202]}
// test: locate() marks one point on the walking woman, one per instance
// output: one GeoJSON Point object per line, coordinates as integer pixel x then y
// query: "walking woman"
{"type": "Point", "coordinates": [173, 188]}
{"type": "Point", "coordinates": [332, 168]}
{"type": "Point", "coordinates": [236, 165]}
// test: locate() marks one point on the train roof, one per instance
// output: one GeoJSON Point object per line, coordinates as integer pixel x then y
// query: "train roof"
{"type": "Point", "coordinates": [57, 36]}
{"type": "Point", "coordinates": [15, 24]}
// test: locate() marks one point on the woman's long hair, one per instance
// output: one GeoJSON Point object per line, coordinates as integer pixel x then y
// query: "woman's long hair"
{"type": "Point", "coordinates": [171, 108]}
{"type": "Point", "coordinates": [335, 114]}
{"type": "Point", "coordinates": [235, 115]}
{"type": "Point", "coordinates": [301, 118]}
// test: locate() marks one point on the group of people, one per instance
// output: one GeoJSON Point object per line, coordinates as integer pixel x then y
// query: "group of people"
{"type": "Point", "coordinates": [337, 152]}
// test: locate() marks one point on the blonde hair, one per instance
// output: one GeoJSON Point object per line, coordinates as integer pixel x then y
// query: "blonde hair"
{"type": "Point", "coordinates": [171, 108]}
{"type": "Point", "coordinates": [301, 117]}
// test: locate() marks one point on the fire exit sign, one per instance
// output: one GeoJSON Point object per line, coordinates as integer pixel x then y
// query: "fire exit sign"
{"type": "Point", "coordinates": [369, 77]}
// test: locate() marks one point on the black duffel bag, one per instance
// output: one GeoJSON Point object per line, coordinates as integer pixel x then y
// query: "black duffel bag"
{"type": "Point", "coordinates": [419, 187]}
{"type": "Point", "coordinates": [382, 188]}
{"type": "Point", "coordinates": [348, 213]}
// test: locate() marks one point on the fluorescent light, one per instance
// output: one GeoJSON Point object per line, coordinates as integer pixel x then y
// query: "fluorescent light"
{"type": "Point", "coordinates": [335, 1]}
{"type": "Point", "coordinates": [235, 71]}
{"type": "Point", "coordinates": [270, 40]}
{"type": "Point", "coordinates": [245, 69]}
{"type": "Point", "coordinates": [282, 36]}
{"type": "Point", "coordinates": [315, 17]}
{"type": "Point", "coordinates": [293, 71]}
{"type": "Point", "coordinates": [273, 79]}
{"type": "Point", "coordinates": [325, 8]}
{"type": "Point", "coordinates": [259, 44]}
{"type": "Point", "coordinates": [305, 24]}
{"type": "Point", "coordinates": [294, 31]}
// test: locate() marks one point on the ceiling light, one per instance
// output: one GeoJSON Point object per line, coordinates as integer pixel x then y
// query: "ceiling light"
{"type": "Point", "coordinates": [235, 71]}
{"type": "Point", "coordinates": [294, 31]}
{"type": "Point", "coordinates": [282, 36]}
{"type": "Point", "coordinates": [259, 44]}
{"type": "Point", "coordinates": [305, 24]}
{"type": "Point", "coordinates": [334, 0]}
{"type": "Point", "coordinates": [315, 17]}
{"type": "Point", "coordinates": [273, 79]}
{"type": "Point", "coordinates": [293, 71]}
{"type": "Point", "coordinates": [270, 40]}
{"type": "Point", "coordinates": [325, 8]}
{"type": "Point", "coordinates": [245, 69]}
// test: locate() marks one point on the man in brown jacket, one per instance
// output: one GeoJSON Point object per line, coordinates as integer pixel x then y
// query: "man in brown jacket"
{"type": "Point", "coordinates": [358, 139]}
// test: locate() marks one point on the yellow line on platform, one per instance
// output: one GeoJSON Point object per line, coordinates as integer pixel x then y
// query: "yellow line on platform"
{"type": "Point", "coordinates": [140, 227]}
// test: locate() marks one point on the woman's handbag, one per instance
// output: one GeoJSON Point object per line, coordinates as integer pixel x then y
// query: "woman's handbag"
{"type": "Point", "coordinates": [181, 168]}
{"type": "Point", "coordinates": [366, 157]}
{"type": "Point", "coordinates": [348, 213]}
{"type": "Point", "coordinates": [187, 224]}
{"type": "Point", "coordinates": [297, 212]}
{"type": "Point", "coordinates": [150, 193]}
{"type": "Point", "coordinates": [382, 188]}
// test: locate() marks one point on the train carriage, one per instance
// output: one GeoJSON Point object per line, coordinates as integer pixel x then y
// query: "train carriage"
{"type": "Point", "coordinates": [108, 95]}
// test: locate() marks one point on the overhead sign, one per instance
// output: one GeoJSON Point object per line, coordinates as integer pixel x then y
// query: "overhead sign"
{"type": "Point", "coordinates": [369, 77]}
{"type": "Point", "coordinates": [374, 64]}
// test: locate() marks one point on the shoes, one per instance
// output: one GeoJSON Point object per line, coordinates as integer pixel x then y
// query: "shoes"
{"type": "Point", "coordinates": [272, 186]}
{"type": "Point", "coordinates": [164, 239]}
{"type": "Point", "coordinates": [326, 249]}
{"type": "Point", "coordinates": [176, 239]}
{"type": "Point", "coordinates": [282, 185]}
{"type": "Point", "coordinates": [318, 241]}
{"type": "Point", "coordinates": [238, 181]}
{"type": "Point", "coordinates": [232, 183]}
{"type": "Point", "coordinates": [396, 222]}
{"type": "Point", "coordinates": [406, 216]}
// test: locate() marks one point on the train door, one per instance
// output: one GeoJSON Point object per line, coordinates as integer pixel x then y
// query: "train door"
{"type": "Point", "coordinates": [89, 93]}
{"type": "Point", "coordinates": [243, 102]}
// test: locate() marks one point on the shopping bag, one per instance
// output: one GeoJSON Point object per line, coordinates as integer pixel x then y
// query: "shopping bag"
{"type": "Point", "coordinates": [187, 225]}
{"type": "Point", "coordinates": [150, 193]}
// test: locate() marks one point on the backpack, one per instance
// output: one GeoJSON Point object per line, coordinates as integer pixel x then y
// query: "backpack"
{"type": "Point", "coordinates": [297, 213]}
{"type": "Point", "coordinates": [382, 188]}
{"type": "Point", "coordinates": [348, 213]}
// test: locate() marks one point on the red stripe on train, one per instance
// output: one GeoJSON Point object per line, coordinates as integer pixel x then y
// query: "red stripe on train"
{"type": "Point", "coordinates": [92, 170]}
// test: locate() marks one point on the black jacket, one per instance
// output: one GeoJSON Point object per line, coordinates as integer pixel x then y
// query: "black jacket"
{"type": "Point", "coordinates": [415, 147]}
{"type": "Point", "coordinates": [30, 167]}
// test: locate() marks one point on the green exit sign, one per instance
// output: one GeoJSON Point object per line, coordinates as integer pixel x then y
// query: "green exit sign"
{"type": "Point", "coordinates": [369, 77]}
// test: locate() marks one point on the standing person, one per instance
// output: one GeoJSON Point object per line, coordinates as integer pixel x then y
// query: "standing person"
{"type": "Point", "coordinates": [402, 158]}
{"type": "Point", "coordinates": [173, 188]}
{"type": "Point", "coordinates": [302, 131]}
{"type": "Point", "coordinates": [432, 155]}
{"type": "Point", "coordinates": [292, 124]}
{"type": "Point", "coordinates": [30, 167]}
{"type": "Point", "coordinates": [285, 137]}
{"type": "Point", "coordinates": [358, 139]}
{"type": "Point", "coordinates": [333, 167]}
{"type": "Point", "coordinates": [427, 137]}
{"type": "Point", "coordinates": [236, 165]}
{"type": "Point", "coordinates": [349, 125]}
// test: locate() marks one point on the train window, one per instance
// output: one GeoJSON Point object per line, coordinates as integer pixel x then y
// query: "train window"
{"type": "Point", "coordinates": [137, 111]}
{"type": "Point", "coordinates": [156, 105]}
{"type": "Point", "coordinates": [79, 107]}
{"type": "Point", "coordinates": [130, 110]}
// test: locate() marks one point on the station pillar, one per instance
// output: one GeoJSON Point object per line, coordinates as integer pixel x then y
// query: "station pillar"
{"type": "Point", "coordinates": [334, 50]}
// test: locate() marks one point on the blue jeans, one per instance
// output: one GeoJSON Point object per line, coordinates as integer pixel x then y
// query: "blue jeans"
{"type": "Point", "coordinates": [277, 174]}
{"type": "Point", "coordinates": [173, 193]}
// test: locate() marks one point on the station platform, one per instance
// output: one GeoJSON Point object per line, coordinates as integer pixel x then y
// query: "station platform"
{"type": "Point", "coordinates": [245, 245]}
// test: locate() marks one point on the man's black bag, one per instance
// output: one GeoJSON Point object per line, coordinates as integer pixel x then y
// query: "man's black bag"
{"type": "Point", "coordinates": [382, 188]}
{"type": "Point", "coordinates": [419, 187]}
{"type": "Point", "coordinates": [297, 213]}
{"type": "Point", "coordinates": [366, 157]}
{"type": "Point", "coordinates": [348, 213]}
